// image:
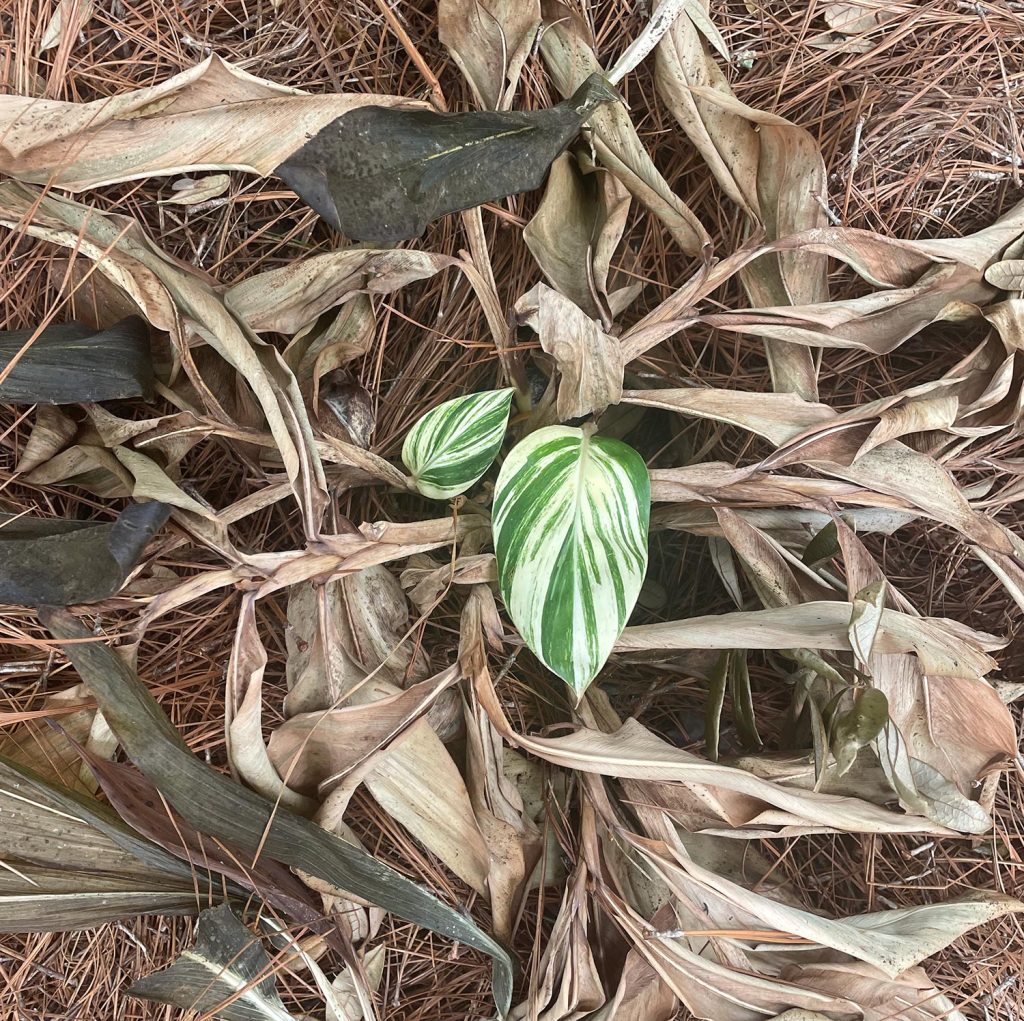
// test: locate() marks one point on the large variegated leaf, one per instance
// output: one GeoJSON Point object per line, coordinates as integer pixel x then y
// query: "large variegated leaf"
{"type": "Point", "coordinates": [450, 447]}
{"type": "Point", "coordinates": [571, 512]}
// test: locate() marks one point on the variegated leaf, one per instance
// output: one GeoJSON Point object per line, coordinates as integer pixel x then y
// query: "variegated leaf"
{"type": "Point", "coordinates": [571, 512]}
{"type": "Point", "coordinates": [451, 447]}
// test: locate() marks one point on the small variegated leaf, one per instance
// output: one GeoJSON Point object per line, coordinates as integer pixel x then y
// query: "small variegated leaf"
{"type": "Point", "coordinates": [451, 447]}
{"type": "Point", "coordinates": [571, 512]}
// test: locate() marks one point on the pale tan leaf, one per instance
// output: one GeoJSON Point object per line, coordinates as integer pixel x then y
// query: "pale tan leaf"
{"type": "Point", "coordinates": [771, 167]}
{"type": "Point", "coordinates": [50, 751]}
{"type": "Point", "coordinates": [944, 647]}
{"type": "Point", "coordinates": [1007, 276]}
{"type": "Point", "coordinates": [51, 431]}
{"type": "Point", "coordinates": [777, 417]}
{"type": "Point", "coordinates": [866, 618]}
{"type": "Point", "coordinates": [243, 715]}
{"type": "Point", "coordinates": [568, 52]}
{"type": "Point", "coordinates": [153, 483]}
{"type": "Point", "coordinates": [513, 839]}
{"type": "Point", "coordinates": [285, 299]}
{"type": "Point", "coordinates": [853, 27]}
{"type": "Point", "coordinates": [490, 41]}
{"type": "Point", "coordinates": [68, 19]}
{"type": "Point", "coordinates": [892, 940]}
{"type": "Point", "coordinates": [569, 984]}
{"type": "Point", "coordinates": [588, 359]}
{"type": "Point", "coordinates": [189, 191]}
{"type": "Point", "coordinates": [348, 996]}
{"type": "Point", "coordinates": [910, 997]}
{"type": "Point", "coordinates": [634, 752]}
{"type": "Point", "coordinates": [213, 116]}
{"type": "Point", "coordinates": [641, 995]}
{"type": "Point", "coordinates": [321, 748]}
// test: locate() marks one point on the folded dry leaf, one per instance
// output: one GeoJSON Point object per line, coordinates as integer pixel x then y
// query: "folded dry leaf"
{"type": "Point", "coordinates": [214, 116]}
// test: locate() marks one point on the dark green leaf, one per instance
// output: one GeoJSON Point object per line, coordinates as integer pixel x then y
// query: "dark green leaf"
{"type": "Point", "coordinates": [380, 174]}
{"type": "Point", "coordinates": [215, 805]}
{"type": "Point", "coordinates": [55, 561]}
{"type": "Point", "coordinates": [858, 726]}
{"type": "Point", "coordinates": [70, 863]}
{"type": "Point", "coordinates": [70, 363]}
{"type": "Point", "coordinates": [823, 546]}
{"type": "Point", "coordinates": [226, 963]}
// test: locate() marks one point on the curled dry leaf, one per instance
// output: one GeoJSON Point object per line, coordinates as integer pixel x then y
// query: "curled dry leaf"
{"type": "Point", "coordinates": [589, 360]}
{"type": "Point", "coordinates": [188, 191]}
{"type": "Point", "coordinates": [57, 562]}
{"type": "Point", "coordinates": [379, 174]}
{"type": "Point", "coordinates": [213, 116]}
{"type": "Point", "coordinates": [574, 234]}
{"type": "Point", "coordinates": [349, 649]}
{"type": "Point", "coordinates": [567, 48]}
{"type": "Point", "coordinates": [70, 363]}
{"type": "Point", "coordinates": [68, 19]}
{"type": "Point", "coordinates": [769, 166]}
{"type": "Point", "coordinates": [288, 298]}
{"type": "Point", "coordinates": [490, 41]}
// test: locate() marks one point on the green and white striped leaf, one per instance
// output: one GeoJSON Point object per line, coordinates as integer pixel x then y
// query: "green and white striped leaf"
{"type": "Point", "coordinates": [571, 512]}
{"type": "Point", "coordinates": [451, 447]}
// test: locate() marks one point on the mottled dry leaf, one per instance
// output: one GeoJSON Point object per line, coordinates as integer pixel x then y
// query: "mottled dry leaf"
{"type": "Point", "coordinates": [379, 174]}
{"type": "Point", "coordinates": [60, 562]}
{"type": "Point", "coordinates": [490, 41]}
{"type": "Point", "coordinates": [70, 363]}
{"type": "Point", "coordinates": [226, 973]}
{"type": "Point", "coordinates": [213, 116]}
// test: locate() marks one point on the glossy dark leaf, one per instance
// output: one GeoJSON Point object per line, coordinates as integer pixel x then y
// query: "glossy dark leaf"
{"type": "Point", "coordinates": [215, 805]}
{"type": "Point", "coordinates": [378, 174]}
{"type": "Point", "coordinates": [71, 863]}
{"type": "Point", "coordinates": [70, 363]}
{"type": "Point", "coordinates": [59, 562]}
{"type": "Point", "coordinates": [226, 974]}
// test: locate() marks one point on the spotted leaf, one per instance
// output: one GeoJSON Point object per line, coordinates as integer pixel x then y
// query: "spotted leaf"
{"type": "Point", "coordinates": [450, 447]}
{"type": "Point", "coordinates": [571, 512]}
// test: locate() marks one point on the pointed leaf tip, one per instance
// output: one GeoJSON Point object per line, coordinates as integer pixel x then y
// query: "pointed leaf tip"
{"type": "Point", "coordinates": [571, 514]}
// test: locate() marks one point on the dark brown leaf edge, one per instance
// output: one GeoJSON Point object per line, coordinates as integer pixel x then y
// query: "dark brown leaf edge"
{"type": "Point", "coordinates": [60, 562]}
{"type": "Point", "coordinates": [227, 962]}
{"type": "Point", "coordinates": [71, 863]}
{"type": "Point", "coordinates": [217, 806]}
{"type": "Point", "coordinates": [379, 174]}
{"type": "Point", "coordinates": [70, 363]}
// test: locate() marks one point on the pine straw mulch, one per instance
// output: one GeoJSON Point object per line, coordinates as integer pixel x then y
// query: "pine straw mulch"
{"type": "Point", "coordinates": [921, 135]}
